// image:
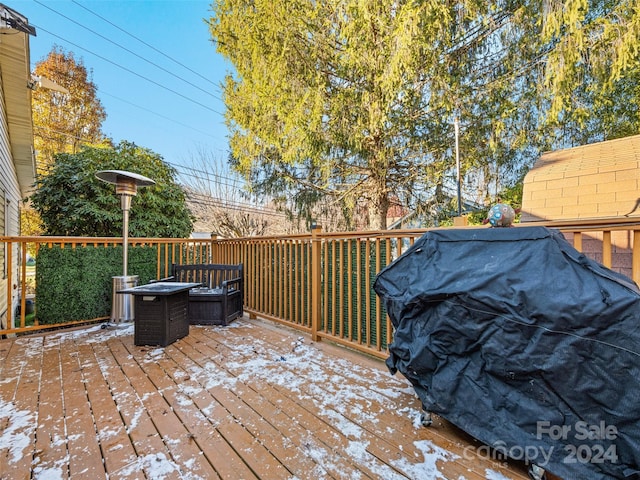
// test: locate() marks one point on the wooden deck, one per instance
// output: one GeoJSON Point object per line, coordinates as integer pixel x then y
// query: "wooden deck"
{"type": "Point", "coordinates": [252, 400]}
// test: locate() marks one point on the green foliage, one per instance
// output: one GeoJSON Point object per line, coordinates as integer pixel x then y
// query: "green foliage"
{"type": "Point", "coordinates": [309, 108]}
{"type": "Point", "coordinates": [76, 283]}
{"type": "Point", "coordinates": [355, 100]}
{"type": "Point", "coordinates": [71, 201]}
{"type": "Point", "coordinates": [591, 44]}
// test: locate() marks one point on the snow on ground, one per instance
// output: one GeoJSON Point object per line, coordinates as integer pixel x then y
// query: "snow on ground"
{"type": "Point", "coordinates": [493, 475]}
{"type": "Point", "coordinates": [257, 361]}
{"type": "Point", "coordinates": [428, 468]}
{"type": "Point", "coordinates": [16, 435]}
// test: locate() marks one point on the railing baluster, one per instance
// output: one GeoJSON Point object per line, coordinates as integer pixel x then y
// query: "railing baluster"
{"type": "Point", "coordinates": [367, 291]}
{"type": "Point", "coordinates": [316, 283]}
{"type": "Point", "coordinates": [635, 261]}
{"type": "Point", "coordinates": [378, 311]}
{"type": "Point", "coordinates": [577, 241]}
{"type": "Point", "coordinates": [606, 248]}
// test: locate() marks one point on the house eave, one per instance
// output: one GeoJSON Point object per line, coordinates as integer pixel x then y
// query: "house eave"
{"type": "Point", "coordinates": [15, 72]}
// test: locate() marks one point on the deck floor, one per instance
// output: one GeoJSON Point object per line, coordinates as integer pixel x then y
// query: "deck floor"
{"type": "Point", "coordinates": [252, 400]}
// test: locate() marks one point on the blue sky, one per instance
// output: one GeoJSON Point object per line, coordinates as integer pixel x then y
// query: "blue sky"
{"type": "Point", "coordinates": [164, 96]}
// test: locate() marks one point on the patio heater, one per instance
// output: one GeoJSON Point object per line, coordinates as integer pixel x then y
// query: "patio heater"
{"type": "Point", "coordinates": [127, 184]}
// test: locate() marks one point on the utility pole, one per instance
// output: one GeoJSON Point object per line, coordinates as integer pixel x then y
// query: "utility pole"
{"type": "Point", "coordinates": [457, 131]}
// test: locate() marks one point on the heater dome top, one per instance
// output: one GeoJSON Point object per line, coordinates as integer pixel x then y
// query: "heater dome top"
{"type": "Point", "coordinates": [123, 177]}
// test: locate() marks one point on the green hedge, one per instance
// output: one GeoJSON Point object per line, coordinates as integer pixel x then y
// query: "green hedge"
{"type": "Point", "coordinates": [76, 283]}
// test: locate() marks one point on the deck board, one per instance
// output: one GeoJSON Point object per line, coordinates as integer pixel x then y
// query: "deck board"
{"type": "Point", "coordinates": [335, 429]}
{"type": "Point", "coordinates": [50, 447]}
{"type": "Point", "coordinates": [240, 407]}
{"type": "Point", "coordinates": [20, 394]}
{"type": "Point", "coordinates": [304, 430]}
{"type": "Point", "coordinates": [282, 434]}
{"type": "Point", "coordinates": [202, 426]}
{"type": "Point", "coordinates": [137, 422]}
{"type": "Point", "coordinates": [248, 401]}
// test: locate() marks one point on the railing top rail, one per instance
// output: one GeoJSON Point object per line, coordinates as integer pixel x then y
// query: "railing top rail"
{"type": "Point", "coordinates": [568, 224]}
{"type": "Point", "coordinates": [590, 223]}
{"type": "Point", "coordinates": [293, 236]}
{"type": "Point", "coordinates": [63, 239]}
{"type": "Point", "coordinates": [581, 224]}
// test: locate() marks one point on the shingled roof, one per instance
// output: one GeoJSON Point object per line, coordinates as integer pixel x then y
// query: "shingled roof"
{"type": "Point", "coordinates": [597, 180]}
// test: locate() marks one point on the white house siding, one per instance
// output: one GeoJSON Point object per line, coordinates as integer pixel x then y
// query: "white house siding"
{"type": "Point", "coordinates": [17, 170]}
{"type": "Point", "coordinates": [10, 224]}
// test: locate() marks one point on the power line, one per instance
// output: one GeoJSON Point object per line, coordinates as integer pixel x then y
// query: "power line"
{"type": "Point", "coordinates": [128, 50]}
{"type": "Point", "coordinates": [129, 70]}
{"type": "Point", "coordinates": [236, 206]}
{"type": "Point", "coordinates": [157, 114]}
{"type": "Point", "coordinates": [196, 173]}
{"type": "Point", "coordinates": [145, 43]}
{"type": "Point", "coordinates": [210, 201]}
{"type": "Point", "coordinates": [205, 177]}
{"type": "Point", "coordinates": [191, 128]}
{"type": "Point", "coordinates": [207, 174]}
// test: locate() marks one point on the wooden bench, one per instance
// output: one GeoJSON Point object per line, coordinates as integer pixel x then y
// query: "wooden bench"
{"type": "Point", "coordinates": [220, 298]}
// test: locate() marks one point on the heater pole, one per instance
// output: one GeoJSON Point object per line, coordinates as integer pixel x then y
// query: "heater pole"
{"type": "Point", "coordinates": [125, 201]}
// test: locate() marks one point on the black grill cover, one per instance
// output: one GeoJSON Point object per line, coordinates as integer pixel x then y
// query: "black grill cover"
{"type": "Point", "coordinates": [524, 343]}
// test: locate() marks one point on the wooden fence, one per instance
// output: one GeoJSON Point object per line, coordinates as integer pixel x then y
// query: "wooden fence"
{"type": "Point", "coordinates": [321, 283]}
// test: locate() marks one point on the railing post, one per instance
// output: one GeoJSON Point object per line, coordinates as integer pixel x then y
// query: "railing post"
{"type": "Point", "coordinates": [316, 281]}
{"type": "Point", "coordinates": [213, 254]}
{"type": "Point", "coordinates": [8, 252]}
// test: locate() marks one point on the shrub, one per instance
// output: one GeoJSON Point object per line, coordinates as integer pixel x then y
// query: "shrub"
{"type": "Point", "coordinates": [76, 283]}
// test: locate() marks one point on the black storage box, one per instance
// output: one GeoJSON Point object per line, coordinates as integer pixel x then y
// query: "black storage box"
{"type": "Point", "coordinates": [211, 306]}
{"type": "Point", "coordinates": [161, 320]}
{"type": "Point", "coordinates": [220, 298]}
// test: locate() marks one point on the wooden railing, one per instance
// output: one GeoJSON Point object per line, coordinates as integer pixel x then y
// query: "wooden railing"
{"type": "Point", "coordinates": [321, 283]}
{"type": "Point", "coordinates": [17, 281]}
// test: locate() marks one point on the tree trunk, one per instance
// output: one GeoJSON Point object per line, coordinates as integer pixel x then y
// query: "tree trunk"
{"type": "Point", "coordinates": [378, 212]}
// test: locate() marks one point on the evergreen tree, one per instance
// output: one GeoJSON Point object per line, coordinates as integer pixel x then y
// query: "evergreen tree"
{"type": "Point", "coordinates": [356, 101]}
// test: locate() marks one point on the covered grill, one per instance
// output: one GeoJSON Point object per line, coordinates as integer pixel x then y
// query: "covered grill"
{"type": "Point", "coordinates": [523, 342]}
